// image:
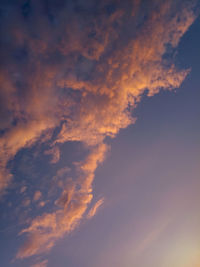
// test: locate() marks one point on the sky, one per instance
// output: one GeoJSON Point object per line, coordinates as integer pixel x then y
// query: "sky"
{"type": "Point", "coordinates": [99, 133]}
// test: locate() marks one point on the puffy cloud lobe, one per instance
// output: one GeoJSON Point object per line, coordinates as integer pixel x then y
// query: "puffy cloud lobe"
{"type": "Point", "coordinates": [75, 73]}
{"type": "Point", "coordinates": [37, 195]}
{"type": "Point", "coordinates": [41, 204]}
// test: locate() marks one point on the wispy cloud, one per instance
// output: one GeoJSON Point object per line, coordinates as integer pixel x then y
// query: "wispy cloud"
{"type": "Point", "coordinates": [152, 236]}
{"type": "Point", "coordinates": [37, 195]}
{"type": "Point", "coordinates": [95, 208]}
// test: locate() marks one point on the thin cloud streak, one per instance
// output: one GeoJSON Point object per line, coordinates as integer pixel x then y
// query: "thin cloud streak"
{"type": "Point", "coordinates": [152, 236]}
{"type": "Point", "coordinates": [95, 208]}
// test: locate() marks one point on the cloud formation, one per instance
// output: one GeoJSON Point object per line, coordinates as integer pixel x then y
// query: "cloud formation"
{"type": "Point", "coordinates": [44, 230]}
{"type": "Point", "coordinates": [74, 72]}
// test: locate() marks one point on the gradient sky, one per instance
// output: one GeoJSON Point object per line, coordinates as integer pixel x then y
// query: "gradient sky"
{"type": "Point", "coordinates": [99, 133]}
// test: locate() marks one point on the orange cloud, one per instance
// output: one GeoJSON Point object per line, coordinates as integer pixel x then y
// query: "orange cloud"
{"type": "Point", "coordinates": [41, 204]}
{"type": "Point", "coordinates": [81, 82]}
{"type": "Point", "coordinates": [118, 79]}
{"type": "Point", "coordinates": [44, 230]}
{"type": "Point", "coordinates": [37, 195]}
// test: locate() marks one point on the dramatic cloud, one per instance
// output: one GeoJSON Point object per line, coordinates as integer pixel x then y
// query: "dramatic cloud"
{"type": "Point", "coordinates": [74, 72]}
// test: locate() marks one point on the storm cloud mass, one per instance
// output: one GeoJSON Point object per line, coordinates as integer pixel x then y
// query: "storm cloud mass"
{"type": "Point", "coordinates": [73, 71]}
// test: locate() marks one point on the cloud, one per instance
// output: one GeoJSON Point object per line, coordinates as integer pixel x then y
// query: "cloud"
{"type": "Point", "coordinates": [152, 236]}
{"type": "Point", "coordinates": [55, 153]}
{"type": "Point", "coordinates": [41, 204]}
{"type": "Point", "coordinates": [40, 264]}
{"type": "Point", "coordinates": [23, 189]}
{"type": "Point", "coordinates": [95, 208]}
{"type": "Point", "coordinates": [37, 195]}
{"type": "Point", "coordinates": [44, 230]}
{"type": "Point", "coordinates": [26, 202]}
{"type": "Point", "coordinates": [87, 103]}
{"type": "Point", "coordinates": [75, 73]}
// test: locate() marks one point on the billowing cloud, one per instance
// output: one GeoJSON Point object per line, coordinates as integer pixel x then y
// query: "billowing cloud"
{"type": "Point", "coordinates": [74, 72]}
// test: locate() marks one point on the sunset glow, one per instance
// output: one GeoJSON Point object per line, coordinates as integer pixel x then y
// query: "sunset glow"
{"type": "Point", "coordinates": [99, 133]}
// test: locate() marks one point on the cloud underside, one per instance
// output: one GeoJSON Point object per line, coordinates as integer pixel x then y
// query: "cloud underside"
{"type": "Point", "coordinates": [81, 74]}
